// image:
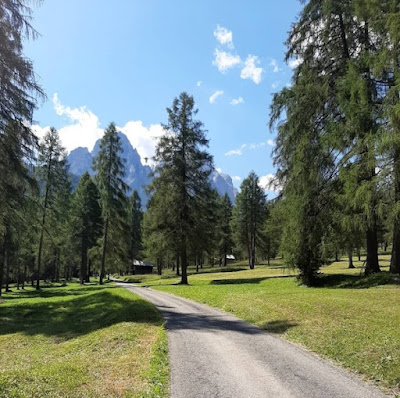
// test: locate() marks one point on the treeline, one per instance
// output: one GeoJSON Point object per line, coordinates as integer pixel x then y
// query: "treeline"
{"type": "Point", "coordinates": [52, 233]}
{"type": "Point", "coordinates": [337, 156]}
{"type": "Point", "coordinates": [338, 134]}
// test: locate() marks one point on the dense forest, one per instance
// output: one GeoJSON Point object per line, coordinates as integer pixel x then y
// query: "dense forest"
{"type": "Point", "coordinates": [337, 157]}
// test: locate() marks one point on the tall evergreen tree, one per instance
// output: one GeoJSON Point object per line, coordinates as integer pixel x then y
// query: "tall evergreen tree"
{"type": "Point", "coordinates": [86, 221]}
{"type": "Point", "coordinates": [135, 224]}
{"type": "Point", "coordinates": [52, 174]}
{"type": "Point", "coordinates": [249, 214]}
{"type": "Point", "coordinates": [182, 170]}
{"type": "Point", "coordinates": [224, 227]}
{"type": "Point", "coordinates": [110, 172]}
{"type": "Point", "coordinates": [18, 98]}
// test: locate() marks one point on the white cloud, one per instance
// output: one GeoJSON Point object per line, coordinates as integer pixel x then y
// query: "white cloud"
{"type": "Point", "coordinates": [143, 138]}
{"type": "Point", "coordinates": [82, 129]}
{"type": "Point", "coordinates": [236, 178]}
{"type": "Point", "coordinates": [275, 66]}
{"type": "Point", "coordinates": [294, 63]}
{"type": "Point", "coordinates": [275, 85]}
{"type": "Point", "coordinates": [250, 70]}
{"type": "Point", "coordinates": [199, 83]}
{"type": "Point", "coordinates": [224, 61]}
{"type": "Point", "coordinates": [258, 145]}
{"type": "Point", "coordinates": [271, 142]}
{"type": "Point", "coordinates": [237, 152]}
{"type": "Point", "coordinates": [269, 183]}
{"type": "Point", "coordinates": [237, 101]}
{"type": "Point", "coordinates": [219, 170]}
{"type": "Point", "coordinates": [224, 36]}
{"type": "Point", "coordinates": [214, 97]}
{"type": "Point", "coordinates": [234, 152]}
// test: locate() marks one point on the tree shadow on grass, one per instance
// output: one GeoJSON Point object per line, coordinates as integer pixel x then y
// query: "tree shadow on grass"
{"type": "Point", "coordinates": [80, 315]}
{"type": "Point", "coordinates": [53, 291]}
{"type": "Point", "coordinates": [247, 280]}
{"type": "Point", "coordinates": [342, 281]}
{"type": "Point", "coordinates": [278, 327]}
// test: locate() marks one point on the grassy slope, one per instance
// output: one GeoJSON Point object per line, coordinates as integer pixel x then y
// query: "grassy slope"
{"type": "Point", "coordinates": [354, 321]}
{"type": "Point", "coordinates": [74, 341]}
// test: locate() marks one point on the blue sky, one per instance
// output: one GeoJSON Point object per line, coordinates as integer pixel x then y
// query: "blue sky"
{"type": "Point", "coordinates": [125, 61]}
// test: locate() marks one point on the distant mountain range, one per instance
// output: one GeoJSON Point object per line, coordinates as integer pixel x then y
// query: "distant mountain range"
{"type": "Point", "coordinates": [137, 175]}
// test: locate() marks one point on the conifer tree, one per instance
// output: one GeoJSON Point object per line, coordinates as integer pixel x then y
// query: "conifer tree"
{"type": "Point", "coordinates": [249, 214]}
{"type": "Point", "coordinates": [110, 172]}
{"type": "Point", "coordinates": [52, 175]}
{"type": "Point", "coordinates": [135, 225]}
{"type": "Point", "coordinates": [86, 214]}
{"type": "Point", "coordinates": [181, 186]}
{"type": "Point", "coordinates": [224, 227]}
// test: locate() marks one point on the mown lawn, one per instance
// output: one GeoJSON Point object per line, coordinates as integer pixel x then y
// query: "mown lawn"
{"type": "Point", "coordinates": [74, 341]}
{"type": "Point", "coordinates": [352, 320]}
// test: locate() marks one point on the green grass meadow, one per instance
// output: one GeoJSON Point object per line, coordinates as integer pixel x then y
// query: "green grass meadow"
{"type": "Point", "coordinates": [81, 341]}
{"type": "Point", "coordinates": [350, 319]}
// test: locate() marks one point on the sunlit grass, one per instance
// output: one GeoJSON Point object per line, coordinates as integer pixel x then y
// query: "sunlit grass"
{"type": "Point", "coordinates": [351, 319]}
{"type": "Point", "coordinates": [74, 341]}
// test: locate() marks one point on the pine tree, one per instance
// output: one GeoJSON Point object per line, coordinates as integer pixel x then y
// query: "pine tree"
{"type": "Point", "coordinates": [110, 172]}
{"type": "Point", "coordinates": [181, 186]}
{"type": "Point", "coordinates": [249, 214]}
{"type": "Point", "coordinates": [135, 223]}
{"type": "Point", "coordinates": [86, 214]}
{"type": "Point", "coordinates": [224, 227]}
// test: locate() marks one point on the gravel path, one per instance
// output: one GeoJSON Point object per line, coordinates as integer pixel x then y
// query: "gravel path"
{"type": "Point", "coordinates": [213, 354]}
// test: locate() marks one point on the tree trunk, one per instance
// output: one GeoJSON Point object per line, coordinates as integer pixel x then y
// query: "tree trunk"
{"type": "Point", "coordinates": [177, 265]}
{"type": "Point", "coordinates": [372, 264]}
{"type": "Point", "coordinates": [253, 252]}
{"type": "Point", "coordinates": [359, 254]}
{"type": "Point", "coordinates": [159, 266]}
{"type": "Point", "coordinates": [337, 257]}
{"type": "Point", "coordinates": [24, 277]}
{"type": "Point", "coordinates": [7, 264]}
{"type": "Point", "coordinates": [2, 259]}
{"type": "Point", "coordinates": [84, 261]}
{"type": "Point", "coordinates": [89, 263]}
{"type": "Point", "coordinates": [395, 260]}
{"type": "Point", "coordinates": [184, 279]}
{"type": "Point", "coordinates": [103, 254]}
{"type": "Point", "coordinates": [350, 254]}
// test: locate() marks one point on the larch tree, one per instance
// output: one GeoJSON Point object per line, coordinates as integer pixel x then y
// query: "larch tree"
{"type": "Point", "coordinates": [110, 172]}
{"type": "Point", "coordinates": [52, 175]}
{"type": "Point", "coordinates": [18, 98]}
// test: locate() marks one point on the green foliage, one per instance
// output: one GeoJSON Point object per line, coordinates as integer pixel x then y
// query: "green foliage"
{"type": "Point", "coordinates": [180, 189]}
{"type": "Point", "coordinates": [135, 223]}
{"type": "Point", "coordinates": [109, 179]}
{"type": "Point", "coordinates": [54, 198]}
{"type": "Point", "coordinates": [249, 215]}
{"type": "Point", "coordinates": [86, 222]}
{"type": "Point", "coordinates": [224, 231]}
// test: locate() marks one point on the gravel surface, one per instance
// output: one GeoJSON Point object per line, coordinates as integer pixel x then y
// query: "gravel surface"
{"type": "Point", "coordinates": [213, 354]}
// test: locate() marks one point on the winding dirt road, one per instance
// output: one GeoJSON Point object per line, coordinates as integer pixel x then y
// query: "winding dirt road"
{"type": "Point", "coordinates": [213, 354]}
